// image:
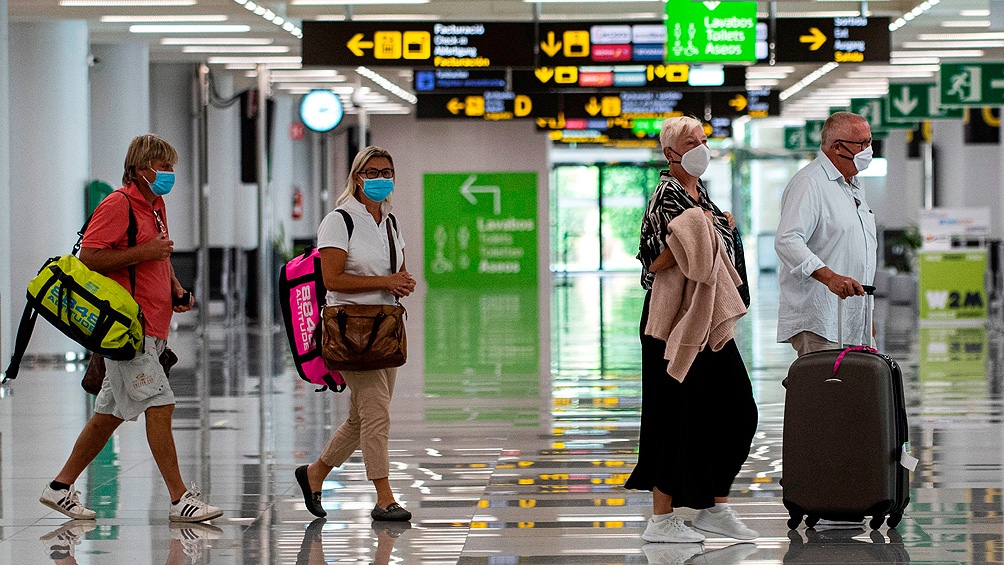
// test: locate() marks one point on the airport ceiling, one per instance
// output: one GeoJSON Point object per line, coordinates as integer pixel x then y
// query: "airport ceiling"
{"type": "Point", "coordinates": [932, 32]}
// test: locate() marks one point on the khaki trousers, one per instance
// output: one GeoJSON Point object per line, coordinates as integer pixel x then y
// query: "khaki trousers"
{"type": "Point", "coordinates": [368, 425]}
{"type": "Point", "coordinates": [808, 342]}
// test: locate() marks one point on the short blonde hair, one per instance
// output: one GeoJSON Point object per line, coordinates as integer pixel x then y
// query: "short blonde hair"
{"type": "Point", "coordinates": [143, 151]}
{"type": "Point", "coordinates": [673, 128]}
{"type": "Point", "coordinates": [358, 164]}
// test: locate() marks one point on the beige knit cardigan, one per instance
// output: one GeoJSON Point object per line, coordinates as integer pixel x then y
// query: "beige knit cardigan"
{"type": "Point", "coordinates": [696, 302]}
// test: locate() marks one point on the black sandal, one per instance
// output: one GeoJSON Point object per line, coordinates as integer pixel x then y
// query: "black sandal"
{"type": "Point", "coordinates": [312, 500]}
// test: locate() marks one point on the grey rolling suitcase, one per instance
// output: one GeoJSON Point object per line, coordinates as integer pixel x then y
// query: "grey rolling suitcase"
{"type": "Point", "coordinates": [845, 432]}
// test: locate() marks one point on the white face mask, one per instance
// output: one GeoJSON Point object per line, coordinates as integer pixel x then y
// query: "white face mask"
{"type": "Point", "coordinates": [863, 158]}
{"type": "Point", "coordinates": [695, 161]}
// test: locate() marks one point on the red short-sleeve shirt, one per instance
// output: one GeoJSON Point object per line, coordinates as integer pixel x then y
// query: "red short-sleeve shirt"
{"type": "Point", "coordinates": [107, 230]}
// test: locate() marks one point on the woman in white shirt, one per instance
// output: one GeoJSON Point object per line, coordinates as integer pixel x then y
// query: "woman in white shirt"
{"type": "Point", "coordinates": [355, 261]}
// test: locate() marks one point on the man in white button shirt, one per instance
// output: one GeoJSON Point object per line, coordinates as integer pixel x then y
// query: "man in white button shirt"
{"type": "Point", "coordinates": [826, 241]}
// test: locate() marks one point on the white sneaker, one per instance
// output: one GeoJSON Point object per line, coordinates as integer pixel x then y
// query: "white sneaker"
{"type": "Point", "coordinates": [822, 525]}
{"type": "Point", "coordinates": [725, 522]}
{"type": "Point", "coordinates": [676, 553]}
{"type": "Point", "coordinates": [670, 530]}
{"type": "Point", "coordinates": [193, 537]}
{"type": "Point", "coordinates": [61, 543]}
{"type": "Point", "coordinates": [191, 508]}
{"type": "Point", "coordinates": [66, 501]}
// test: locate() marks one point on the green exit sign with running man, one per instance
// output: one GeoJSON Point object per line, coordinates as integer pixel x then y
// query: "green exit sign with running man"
{"type": "Point", "coordinates": [710, 32]}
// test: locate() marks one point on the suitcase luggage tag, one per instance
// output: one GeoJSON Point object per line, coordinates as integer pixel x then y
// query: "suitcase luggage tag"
{"type": "Point", "coordinates": [906, 457]}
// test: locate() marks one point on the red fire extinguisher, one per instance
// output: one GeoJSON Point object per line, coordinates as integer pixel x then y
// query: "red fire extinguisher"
{"type": "Point", "coordinates": [297, 203]}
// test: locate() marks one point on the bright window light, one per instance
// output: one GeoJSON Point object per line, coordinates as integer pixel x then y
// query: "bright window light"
{"type": "Point", "coordinates": [153, 28]}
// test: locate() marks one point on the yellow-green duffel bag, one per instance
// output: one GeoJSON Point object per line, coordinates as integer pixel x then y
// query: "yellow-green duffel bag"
{"type": "Point", "coordinates": [90, 308]}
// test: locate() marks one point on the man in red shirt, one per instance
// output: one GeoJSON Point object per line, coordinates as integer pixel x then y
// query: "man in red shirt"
{"type": "Point", "coordinates": [140, 262]}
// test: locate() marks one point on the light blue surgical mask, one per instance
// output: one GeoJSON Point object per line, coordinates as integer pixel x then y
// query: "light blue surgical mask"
{"type": "Point", "coordinates": [163, 183]}
{"type": "Point", "coordinates": [378, 190]}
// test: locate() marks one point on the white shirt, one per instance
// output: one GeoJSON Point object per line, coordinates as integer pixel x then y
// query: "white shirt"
{"type": "Point", "coordinates": [822, 227]}
{"type": "Point", "coordinates": [368, 253]}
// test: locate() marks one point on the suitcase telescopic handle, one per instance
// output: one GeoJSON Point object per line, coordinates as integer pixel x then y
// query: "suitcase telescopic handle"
{"type": "Point", "coordinates": [869, 306]}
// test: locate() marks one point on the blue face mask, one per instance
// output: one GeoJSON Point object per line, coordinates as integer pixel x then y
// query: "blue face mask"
{"type": "Point", "coordinates": [163, 183]}
{"type": "Point", "coordinates": [378, 190]}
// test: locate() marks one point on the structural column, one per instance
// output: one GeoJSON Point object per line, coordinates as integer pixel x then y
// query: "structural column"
{"type": "Point", "coordinates": [49, 159]}
{"type": "Point", "coordinates": [120, 105]}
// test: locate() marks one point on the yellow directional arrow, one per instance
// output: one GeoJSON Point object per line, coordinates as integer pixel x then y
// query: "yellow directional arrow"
{"type": "Point", "coordinates": [356, 45]}
{"type": "Point", "coordinates": [815, 37]}
{"type": "Point", "coordinates": [739, 102]}
{"type": "Point", "coordinates": [544, 74]}
{"type": "Point", "coordinates": [455, 106]}
{"type": "Point", "coordinates": [550, 47]}
{"type": "Point", "coordinates": [593, 107]}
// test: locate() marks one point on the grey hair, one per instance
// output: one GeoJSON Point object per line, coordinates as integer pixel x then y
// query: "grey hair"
{"type": "Point", "coordinates": [835, 125]}
{"type": "Point", "coordinates": [673, 128]}
{"type": "Point", "coordinates": [358, 163]}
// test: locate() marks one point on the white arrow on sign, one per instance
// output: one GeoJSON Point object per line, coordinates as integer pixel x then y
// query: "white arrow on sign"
{"type": "Point", "coordinates": [905, 104]}
{"type": "Point", "coordinates": [468, 189]}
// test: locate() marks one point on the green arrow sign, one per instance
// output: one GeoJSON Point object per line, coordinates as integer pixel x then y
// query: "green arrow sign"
{"type": "Point", "coordinates": [710, 32]}
{"type": "Point", "coordinates": [794, 139]}
{"type": "Point", "coordinates": [971, 84]}
{"type": "Point", "coordinates": [481, 230]}
{"type": "Point", "coordinates": [873, 110]}
{"type": "Point", "coordinates": [912, 102]}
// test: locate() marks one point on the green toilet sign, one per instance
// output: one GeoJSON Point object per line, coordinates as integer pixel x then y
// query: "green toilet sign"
{"type": "Point", "coordinates": [481, 230]}
{"type": "Point", "coordinates": [710, 32]}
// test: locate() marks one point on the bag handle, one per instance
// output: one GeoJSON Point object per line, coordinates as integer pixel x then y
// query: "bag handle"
{"type": "Point", "coordinates": [24, 330]}
{"type": "Point", "coordinates": [869, 292]}
{"type": "Point", "coordinates": [343, 318]}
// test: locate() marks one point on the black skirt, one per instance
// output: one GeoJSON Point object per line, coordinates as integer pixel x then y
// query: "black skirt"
{"type": "Point", "coordinates": [695, 435]}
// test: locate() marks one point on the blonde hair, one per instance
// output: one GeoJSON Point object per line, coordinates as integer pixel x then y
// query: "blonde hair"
{"type": "Point", "coordinates": [836, 126]}
{"type": "Point", "coordinates": [358, 164]}
{"type": "Point", "coordinates": [143, 151]}
{"type": "Point", "coordinates": [673, 128]}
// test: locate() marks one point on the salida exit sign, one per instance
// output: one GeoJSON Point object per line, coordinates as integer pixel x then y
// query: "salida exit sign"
{"type": "Point", "coordinates": [710, 32]}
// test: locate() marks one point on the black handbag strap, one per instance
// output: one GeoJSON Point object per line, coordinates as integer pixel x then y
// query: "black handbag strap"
{"type": "Point", "coordinates": [393, 249]}
{"type": "Point", "coordinates": [24, 330]}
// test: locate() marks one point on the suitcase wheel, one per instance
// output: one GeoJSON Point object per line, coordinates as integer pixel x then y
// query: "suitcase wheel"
{"type": "Point", "coordinates": [793, 522]}
{"type": "Point", "coordinates": [894, 519]}
{"type": "Point", "coordinates": [876, 521]}
{"type": "Point", "coordinates": [811, 520]}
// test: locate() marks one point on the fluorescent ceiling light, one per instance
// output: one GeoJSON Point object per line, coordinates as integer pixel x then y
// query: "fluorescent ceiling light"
{"type": "Point", "coordinates": [353, 2]}
{"type": "Point", "coordinates": [915, 61]}
{"type": "Point", "coordinates": [156, 28]}
{"type": "Point", "coordinates": [951, 44]}
{"type": "Point", "coordinates": [379, 17]}
{"type": "Point", "coordinates": [961, 36]}
{"type": "Point", "coordinates": [940, 54]}
{"type": "Point", "coordinates": [235, 49]}
{"type": "Point", "coordinates": [216, 41]}
{"type": "Point", "coordinates": [820, 14]}
{"type": "Point", "coordinates": [127, 2]}
{"type": "Point", "coordinates": [609, 17]}
{"type": "Point", "coordinates": [308, 79]}
{"type": "Point", "coordinates": [876, 74]}
{"type": "Point", "coordinates": [254, 61]}
{"type": "Point", "coordinates": [317, 73]}
{"type": "Point", "coordinates": [580, 1]}
{"type": "Point", "coordinates": [974, 13]}
{"type": "Point", "coordinates": [150, 19]}
{"type": "Point", "coordinates": [758, 82]}
{"type": "Point", "coordinates": [966, 23]}
{"type": "Point", "coordinates": [252, 66]}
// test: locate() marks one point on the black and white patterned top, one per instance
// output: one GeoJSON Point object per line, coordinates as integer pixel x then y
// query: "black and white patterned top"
{"type": "Point", "coordinates": [668, 201]}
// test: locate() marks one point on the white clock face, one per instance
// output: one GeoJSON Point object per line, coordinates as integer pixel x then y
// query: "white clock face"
{"type": "Point", "coordinates": [321, 110]}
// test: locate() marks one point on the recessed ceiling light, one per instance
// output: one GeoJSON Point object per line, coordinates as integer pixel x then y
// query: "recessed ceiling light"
{"type": "Point", "coordinates": [127, 2]}
{"type": "Point", "coordinates": [960, 36]}
{"type": "Point", "coordinates": [254, 60]}
{"type": "Point", "coordinates": [235, 49]}
{"type": "Point", "coordinates": [952, 44]}
{"type": "Point", "coordinates": [216, 41]}
{"type": "Point", "coordinates": [355, 2]}
{"type": "Point", "coordinates": [974, 13]}
{"type": "Point", "coordinates": [154, 28]}
{"type": "Point", "coordinates": [962, 53]}
{"type": "Point", "coordinates": [150, 19]}
{"type": "Point", "coordinates": [966, 23]}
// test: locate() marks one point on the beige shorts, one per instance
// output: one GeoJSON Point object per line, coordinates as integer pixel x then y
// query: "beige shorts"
{"type": "Point", "coordinates": [130, 387]}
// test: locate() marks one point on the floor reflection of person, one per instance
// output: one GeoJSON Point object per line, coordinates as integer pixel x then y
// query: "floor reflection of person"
{"type": "Point", "coordinates": [188, 541]}
{"type": "Point", "coordinates": [312, 547]}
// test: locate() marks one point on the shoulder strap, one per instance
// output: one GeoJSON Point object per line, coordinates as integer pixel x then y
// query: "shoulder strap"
{"type": "Point", "coordinates": [24, 330]}
{"type": "Point", "coordinates": [131, 233]}
{"type": "Point", "coordinates": [393, 249]}
{"type": "Point", "coordinates": [393, 220]}
{"type": "Point", "coordinates": [348, 220]}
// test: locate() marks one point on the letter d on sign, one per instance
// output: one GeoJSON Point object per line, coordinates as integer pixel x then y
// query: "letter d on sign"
{"type": "Point", "coordinates": [522, 106]}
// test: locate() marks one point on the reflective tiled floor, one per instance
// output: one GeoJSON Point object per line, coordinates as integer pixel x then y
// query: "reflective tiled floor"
{"type": "Point", "coordinates": [508, 445]}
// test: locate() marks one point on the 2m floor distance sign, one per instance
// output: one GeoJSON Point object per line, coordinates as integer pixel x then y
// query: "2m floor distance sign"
{"type": "Point", "coordinates": [710, 32]}
{"type": "Point", "coordinates": [481, 229]}
{"type": "Point", "coordinates": [418, 44]}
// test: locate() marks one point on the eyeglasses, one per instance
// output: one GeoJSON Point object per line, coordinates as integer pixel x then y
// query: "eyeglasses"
{"type": "Point", "coordinates": [862, 144]}
{"type": "Point", "coordinates": [374, 173]}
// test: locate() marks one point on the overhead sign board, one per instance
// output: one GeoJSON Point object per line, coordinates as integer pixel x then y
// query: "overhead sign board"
{"type": "Point", "coordinates": [911, 102]}
{"type": "Point", "coordinates": [710, 32]}
{"type": "Point", "coordinates": [962, 85]}
{"type": "Point", "coordinates": [433, 80]}
{"type": "Point", "coordinates": [681, 76]}
{"type": "Point", "coordinates": [490, 106]}
{"type": "Point", "coordinates": [874, 112]}
{"type": "Point", "coordinates": [794, 138]}
{"type": "Point", "coordinates": [838, 40]}
{"type": "Point", "coordinates": [663, 104]}
{"type": "Point", "coordinates": [418, 44]}
{"type": "Point", "coordinates": [584, 43]}
{"type": "Point", "coordinates": [757, 103]}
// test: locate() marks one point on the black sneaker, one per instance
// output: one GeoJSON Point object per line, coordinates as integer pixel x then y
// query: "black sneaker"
{"type": "Point", "coordinates": [393, 513]}
{"type": "Point", "coordinates": [312, 500]}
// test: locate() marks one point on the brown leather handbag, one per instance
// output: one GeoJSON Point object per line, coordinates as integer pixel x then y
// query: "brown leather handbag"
{"type": "Point", "coordinates": [365, 337]}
